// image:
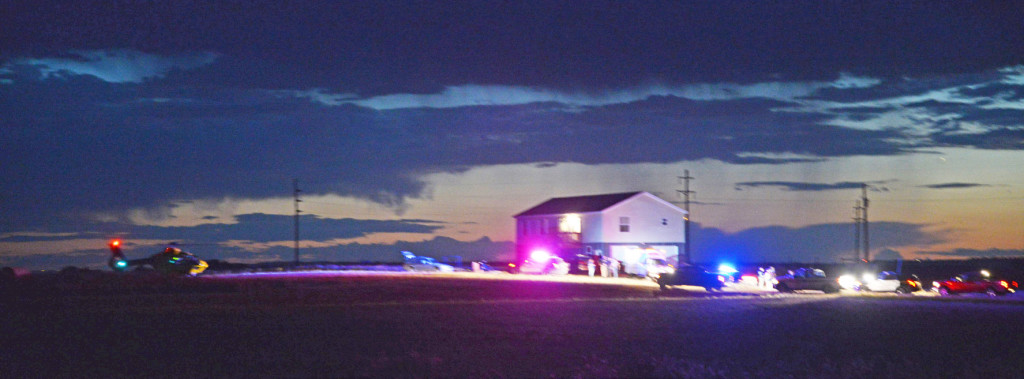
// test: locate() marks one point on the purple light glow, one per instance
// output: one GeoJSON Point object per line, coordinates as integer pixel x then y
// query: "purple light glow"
{"type": "Point", "coordinates": [539, 255]}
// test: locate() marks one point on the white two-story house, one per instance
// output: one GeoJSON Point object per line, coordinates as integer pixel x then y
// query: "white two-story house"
{"type": "Point", "coordinates": [616, 225]}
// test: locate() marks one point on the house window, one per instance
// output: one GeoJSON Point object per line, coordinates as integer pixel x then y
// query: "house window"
{"type": "Point", "coordinates": [570, 224]}
{"type": "Point", "coordinates": [623, 224]}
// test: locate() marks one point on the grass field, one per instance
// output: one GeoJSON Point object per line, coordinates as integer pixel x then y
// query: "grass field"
{"type": "Point", "coordinates": [466, 325]}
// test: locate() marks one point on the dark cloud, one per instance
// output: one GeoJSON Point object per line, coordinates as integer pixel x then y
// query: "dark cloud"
{"type": "Point", "coordinates": [442, 248]}
{"type": "Point", "coordinates": [80, 144]}
{"type": "Point", "coordinates": [94, 258]}
{"type": "Point", "coordinates": [974, 253]}
{"type": "Point", "coordinates": [1000, 139]}
{"type": "Point", "coordinates": [255, 228]}
{"type": "Point", "coordinates": [954, 185]}
{"type": "Point", "coordinates": [994, 118]}
{"type": "Point", "coordinates": [389, 47]}
{"type": "Point", "coordinates": [768, 160]}
{"type": "Point", "coordinates": [804, 186]}
{"type": "Point", "coordinates": [887, 255]}
{"type": "Point", "coordinates": [270, 228]}
{"type": "Point", "coordinates": [100, 149]}
{"type": "Point", "coordinates": [813, 243]}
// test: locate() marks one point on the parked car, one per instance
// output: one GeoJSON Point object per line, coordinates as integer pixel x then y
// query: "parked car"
{"type": "Point", "coordinates": [974, 282]}
{"type": "Point", "coordinates": [888, 281]}
{"type": "Point", "coordinates": [550, 265]}
{"type": "Point", "coordinates": [484, 267]}
{"type": "Point", "coordinates": [807, 279]}
{"type": "Point", "coordinates": [428, 264]}
{"type": "Point", "coordinates": [691, 276]}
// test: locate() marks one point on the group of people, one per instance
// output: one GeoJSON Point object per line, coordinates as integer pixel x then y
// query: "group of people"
{"type": "Point", "coordinates": [766, 277]}
{"type": "Point", "coordinates": [609, 266]}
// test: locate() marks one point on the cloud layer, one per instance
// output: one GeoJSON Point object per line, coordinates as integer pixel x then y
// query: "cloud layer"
{"type": "Point", "coordinates": [149, 105]}
{"type": "Point", "coordinates": [113, 66]}
{"type": "Point", "coordinates": [108, 147]}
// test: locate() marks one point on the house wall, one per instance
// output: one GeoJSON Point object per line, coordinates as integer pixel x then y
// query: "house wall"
{"type": "Point", "coordinates": [591, 228]}
{"type": "Point", "coordinates": [537, 232]}
{"type": "Point", "coordinates": [650, 221]}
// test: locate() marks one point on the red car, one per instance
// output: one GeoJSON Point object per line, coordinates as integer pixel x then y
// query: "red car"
{"type": "Point", "coordinates": [974, 282]}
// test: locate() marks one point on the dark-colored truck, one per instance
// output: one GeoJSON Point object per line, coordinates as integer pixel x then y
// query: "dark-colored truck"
{"type": "Point", "coordinates": [807, 279]}
{"type": "Point", "coordinates": [691, 276]}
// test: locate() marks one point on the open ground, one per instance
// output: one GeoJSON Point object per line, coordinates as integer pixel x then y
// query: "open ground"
{"type": "Point", "coordinates": [471, 325]}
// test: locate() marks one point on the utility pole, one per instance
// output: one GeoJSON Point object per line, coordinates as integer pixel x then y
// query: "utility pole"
{"type": "Point", "coordinates": [295, 193]}
{"type": "Point", "coordinates": [857, 211]}
{"type": "Point", "coordinates": [688, 240]}
{"type": "Point", "coordinates": [864, 211]}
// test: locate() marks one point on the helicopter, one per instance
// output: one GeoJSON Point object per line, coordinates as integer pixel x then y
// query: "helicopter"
{"type": "Point", "coordinates": [171, 260]}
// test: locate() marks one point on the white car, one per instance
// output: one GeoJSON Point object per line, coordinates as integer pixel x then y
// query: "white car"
{"type": "Point", "coordinates": [551, 265]}
{"type": "Point", "coordinates": [888, 281]}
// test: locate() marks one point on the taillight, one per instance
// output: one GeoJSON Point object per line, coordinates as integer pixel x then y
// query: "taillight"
{"type": "Point", "coordinates": [913, 283]}
{"type": "Point", "coordinates": [1004, 284]}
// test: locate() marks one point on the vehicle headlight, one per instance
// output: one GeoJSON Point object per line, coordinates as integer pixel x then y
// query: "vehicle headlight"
{"type": "Point", "coordinates": [848, 281]}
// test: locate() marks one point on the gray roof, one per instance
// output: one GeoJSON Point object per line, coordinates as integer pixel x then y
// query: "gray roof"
{"type": "Point", "coordinates": [577, 204]}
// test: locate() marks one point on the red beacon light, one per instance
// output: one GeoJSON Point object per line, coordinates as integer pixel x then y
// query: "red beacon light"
{"type": "Point", "coordinates": [115, 243]}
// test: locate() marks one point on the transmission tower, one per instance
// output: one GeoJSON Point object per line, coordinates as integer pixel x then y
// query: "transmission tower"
{"type": "Point", "coordinates": [295, 193]}
{"type": "Point", "coordinates": [864, 220]}
{"type": "Point", "coordinates": [688, 239]}
{"type": "Point", "coordinates": [857, 219]}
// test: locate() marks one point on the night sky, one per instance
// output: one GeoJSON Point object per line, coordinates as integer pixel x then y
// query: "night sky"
{"type": "Point", "coordinates": [426, 125]}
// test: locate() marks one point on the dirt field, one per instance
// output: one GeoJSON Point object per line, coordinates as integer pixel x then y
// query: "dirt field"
{"type": "Point", "coordinates": [465, 325]}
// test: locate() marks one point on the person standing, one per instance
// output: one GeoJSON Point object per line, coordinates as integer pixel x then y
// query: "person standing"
{"type": "Point", "coordinates": [613, 266]}
{"type": "Point", "coordinates": [590, 266]}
